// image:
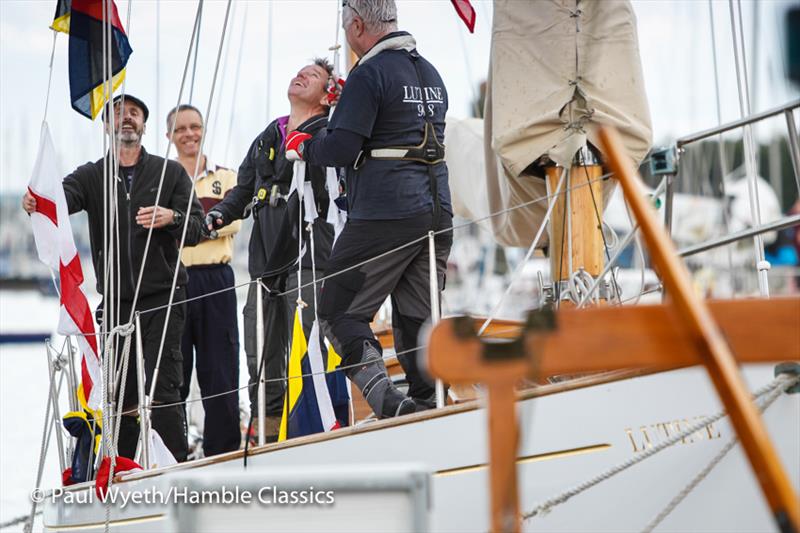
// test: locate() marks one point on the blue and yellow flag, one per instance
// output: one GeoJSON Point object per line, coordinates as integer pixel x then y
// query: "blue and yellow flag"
{"type": "Point", "coordinates": [83, 21]}
{"type": "Point", "coordinates": [316, 397]}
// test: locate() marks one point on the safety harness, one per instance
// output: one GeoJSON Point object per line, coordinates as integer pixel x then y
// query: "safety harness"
{"type": "Point", "coordinates": [429, 152]}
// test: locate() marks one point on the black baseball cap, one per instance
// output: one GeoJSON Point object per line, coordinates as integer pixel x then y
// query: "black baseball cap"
{"type": "Point", "coordinates": [132, 99]}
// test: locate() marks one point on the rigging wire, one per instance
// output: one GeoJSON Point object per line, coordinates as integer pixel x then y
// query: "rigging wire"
{"type": "Point", "coordinates": [269, 61]}
{"type": "Point", "coordinates": [50, 77]}
{"type": "Point", "coordinates": [235, 84]}
{"type": "Point", "coordinates": [196, 53]}
{"type": "Point", "coordinates": [214, 112]}
{"type": "Point", "coordinates": [521, 265]}
{"type": "Point", "coordinates": [751, 167]}
{"type": "Point", "coordinates": [599, 217]}
{"type": "Point", "coordinates": [723, 160]}
{"type": "Point", "coordinates": [388, 252]}
{"type": "Point", "coordinates": [188, 210]}
{"type": "Point", "coordinates": [163, 171]}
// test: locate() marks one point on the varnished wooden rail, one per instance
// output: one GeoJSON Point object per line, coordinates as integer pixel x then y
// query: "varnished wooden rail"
{"type": "Point", "coordinates": [710, 341]}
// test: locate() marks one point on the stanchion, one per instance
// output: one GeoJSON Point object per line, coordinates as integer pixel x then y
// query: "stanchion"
{"type": "Point", "coordinates": [144, 403]}
{"type": "Point", "coordinates": [435, 311]}
{"type": "Point", "coordinates": [262, 392]}
{"type": "Point", "coordinates": [52, 370]}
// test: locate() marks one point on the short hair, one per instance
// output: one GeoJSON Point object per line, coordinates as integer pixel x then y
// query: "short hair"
{"type": "Point", "coordinates": [327, 67]}
{"type": "Point", "coordinates": [379, 16]}
{"type": "Point", "coordinates": [179, 108]}
{"type": "Point", "coordinates": [324, 64]}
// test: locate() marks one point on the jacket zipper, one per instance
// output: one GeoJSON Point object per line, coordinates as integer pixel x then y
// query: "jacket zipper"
{"type": "Point", "coordinates": [130, 234]}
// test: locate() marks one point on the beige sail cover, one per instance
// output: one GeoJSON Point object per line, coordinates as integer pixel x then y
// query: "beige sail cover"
{"type": "Point", "coordinates": [559, 69]}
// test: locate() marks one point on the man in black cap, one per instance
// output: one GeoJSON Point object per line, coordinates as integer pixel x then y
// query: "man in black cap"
{"type": "Point", "coordinates": [139, 211]}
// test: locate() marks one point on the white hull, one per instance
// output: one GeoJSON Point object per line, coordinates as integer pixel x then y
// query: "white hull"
{"type": "Point", "coordinates": [595, 427]}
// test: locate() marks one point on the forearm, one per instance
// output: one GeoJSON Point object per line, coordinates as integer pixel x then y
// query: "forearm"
{"type": "Point", "coordinates": [337, 148]}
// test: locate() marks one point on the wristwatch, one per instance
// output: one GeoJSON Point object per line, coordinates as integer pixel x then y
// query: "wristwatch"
{"type": "Point", "coordinates": [177, 217]}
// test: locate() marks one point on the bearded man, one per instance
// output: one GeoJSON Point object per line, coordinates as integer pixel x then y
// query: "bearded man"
{"type": "Point", "coordinates": [137, 184]}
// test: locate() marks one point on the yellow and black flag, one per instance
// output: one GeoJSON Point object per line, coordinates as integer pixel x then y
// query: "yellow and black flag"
{"type": "Point", "coordinates": [61, 19]}
{"type": "Point", "coordinates": [83, 21]}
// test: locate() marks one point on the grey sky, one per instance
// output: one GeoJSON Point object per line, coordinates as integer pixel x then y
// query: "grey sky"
{"type": "Point", "coordinates": [674, 40]}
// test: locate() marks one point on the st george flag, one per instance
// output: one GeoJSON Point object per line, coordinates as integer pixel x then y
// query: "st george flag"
{"type": "Point", "coordinates": [56, 249]}
{"type": "Point", "coordinates": [466, 12]}
{"type": "Point", "coordinates": [83, 21]}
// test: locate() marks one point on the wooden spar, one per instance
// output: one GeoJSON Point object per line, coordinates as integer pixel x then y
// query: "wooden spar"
{"type": "Point", "coordinates": [714, 351]}
{"type": "Point", "coordinates": [646, 336]}
{"type": "Point", "coordinates": [500, 375]}
{"type": "Point", "coordinates": [585, 201]}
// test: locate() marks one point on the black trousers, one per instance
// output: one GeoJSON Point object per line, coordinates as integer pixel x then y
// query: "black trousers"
{"type": "Point", "coordinates": [278, 316]}
{"type": "Point", "coordinates": [169, 422]}
{"type": "Point", "coordinates": [348, 302]}
{"type": "Point", "coordinates": [210, 345]}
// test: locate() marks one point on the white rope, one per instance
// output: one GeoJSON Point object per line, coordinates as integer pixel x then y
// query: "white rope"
{"type": "Point", "coordinates": [22, 519]}
{"type": "Point", "coordinates": [771, 397]}
{"type": "Point", "coordinates": [548, 505]}
{"type": "Point", "coordinates": [299, 180]}
{"type": "Point", "coordinates": [313, 269]}
{"type": "Point", "coordinates": [580, 283]}
{"type": "Point", "coordinates": [116, 184]}
{"type": "Point", "coordinates": [126, 350]}
{"type": "Point", "coordinates": [108, 218]}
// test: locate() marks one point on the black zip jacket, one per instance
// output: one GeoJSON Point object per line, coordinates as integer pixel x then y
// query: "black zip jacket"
{"type": "Point", "coordinates": [274, 228]}
{"type": "Point", "coordinates": [84, 191]}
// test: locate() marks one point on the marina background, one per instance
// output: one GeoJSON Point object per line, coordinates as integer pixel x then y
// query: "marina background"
{"type": "Point", "coordinates": [266, 43]}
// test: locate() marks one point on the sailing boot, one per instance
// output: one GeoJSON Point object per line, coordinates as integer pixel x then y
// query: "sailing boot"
{"type": "Point", "coordinates": [425, 404]}
{"type": "Point", "coordinates": [373, 381]}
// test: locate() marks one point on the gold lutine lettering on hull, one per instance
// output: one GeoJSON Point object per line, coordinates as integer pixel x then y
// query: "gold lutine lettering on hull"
{"type": "Point", "coordinates": [646, 437]}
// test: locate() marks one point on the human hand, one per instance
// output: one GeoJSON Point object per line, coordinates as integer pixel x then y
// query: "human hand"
{"type": "Point", "coordinates": [334, 90]}
{"type": "Point", "coordinates": [294, 145]}
{"type": "Point", "coordinates": [28, 203]}
{"type": "Point", "coordinates": [163, 217]}
{"type": "Point", "coordinates": [213, 221]}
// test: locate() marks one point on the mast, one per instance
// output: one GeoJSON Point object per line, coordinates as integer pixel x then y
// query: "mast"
{"type": "Point", "coordinates": [576, 236]}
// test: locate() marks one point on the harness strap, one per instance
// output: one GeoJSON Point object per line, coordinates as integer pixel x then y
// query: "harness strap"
{"type": "Point", "coordinates": [430, 151]}
{"type": "Point", "coordinates": [429, 127]}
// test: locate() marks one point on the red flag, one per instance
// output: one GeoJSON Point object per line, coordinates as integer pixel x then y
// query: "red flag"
{"type": "Point", "coordinates": [466, 12]}
{"type": "Point", "coordinates": [123, 465]}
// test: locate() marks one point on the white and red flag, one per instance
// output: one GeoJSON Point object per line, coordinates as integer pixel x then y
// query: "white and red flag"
{"type": "Point", "coordinates": [56, 248]}
{"type": "Point", "coordinates": [466, 12]}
